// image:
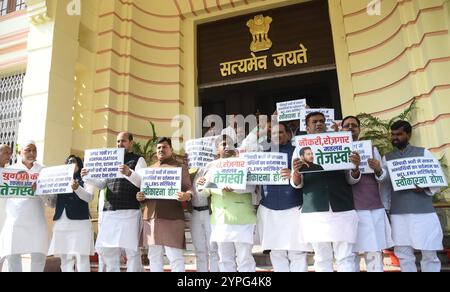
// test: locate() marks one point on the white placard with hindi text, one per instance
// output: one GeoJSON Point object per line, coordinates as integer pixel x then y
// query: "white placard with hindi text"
{"type": "Point", "coordinates": [201, 151]}
{"type": "Point", "coordinates": [329, 117]}
{"type": "Point", "coordinates": [409, 173]}
{"type": "Point", "coordinates": [325, 152]}
{"type": "Point", "coordinates": [161, 183]}
{"type": "Point", "coordinates": [264, 168]}
{"type": "Point", "coordinates": [227, 173]}
{"type": "Point", "coordinates": [290, 110]}
{"type": "Point", "coordinates": [104, 163]}
{"type": "Point", "coordinates": [16, 183]}
{"type": "Point", "coordinates": [55, 180]}
{"type": "Point", "coordinates": [365, 151]}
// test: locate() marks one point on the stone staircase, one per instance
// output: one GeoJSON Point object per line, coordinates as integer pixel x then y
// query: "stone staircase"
{"type": "Point", "coordinates": [262, 259]}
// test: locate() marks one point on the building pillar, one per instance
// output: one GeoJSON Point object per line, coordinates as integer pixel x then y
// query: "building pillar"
{"type": "Point", "coordinates": [49, 83]}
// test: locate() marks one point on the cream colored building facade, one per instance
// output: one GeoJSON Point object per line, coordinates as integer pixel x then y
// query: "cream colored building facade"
{"type": "Point", "coordinates": [121, 63]}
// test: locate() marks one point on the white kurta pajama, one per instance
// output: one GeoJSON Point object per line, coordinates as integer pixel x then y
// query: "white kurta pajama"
{"type": "Point", "coordinates": [120, 229]}
{"type": "Point", "coordinates": [2, 222]}
{"type": "Point", "coordinates": [332, 234]}
{"type": "Point", "coordinates": [25, 229]}
{"type": "Point", "coordinates": [205, 250]}
{"type": "Point", "coordinates": [280, 232]}
{"type": "Point", "coordinates": [73, 238]}
{"type": "Point", "coordinates": [235, 242]}
{"type": "Point", "coordinates": [374, 231]}
{"type": "Point", "coordinates": [416, 232]}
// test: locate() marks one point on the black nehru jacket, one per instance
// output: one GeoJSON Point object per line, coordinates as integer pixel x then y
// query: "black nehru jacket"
{"type": "Point", "coordinates": [76, 208]}
{"type": "Point", "coordinates": [121, 193]}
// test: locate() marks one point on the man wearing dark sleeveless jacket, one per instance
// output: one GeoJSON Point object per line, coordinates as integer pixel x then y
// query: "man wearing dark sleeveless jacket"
{"type": "Point", "coordinates": [279, 215]}
{"type": "Point", "coordinates": [72, 239]}
{"type": "Point", "coordinates": [121, 222]}
{"type": "Point", "coordinates": [328, 220]}
{"type": "Point", "coordinates": [374, 229]}
{"type": "Point", "coordinates": [415, 224]}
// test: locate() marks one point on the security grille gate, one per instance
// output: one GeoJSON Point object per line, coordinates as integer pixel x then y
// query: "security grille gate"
{"type": "Point", "coordinates": [10, 109]}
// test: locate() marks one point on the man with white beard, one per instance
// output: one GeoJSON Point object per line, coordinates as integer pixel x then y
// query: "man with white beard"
{"type": "Point", "coordinates": [25, 229]}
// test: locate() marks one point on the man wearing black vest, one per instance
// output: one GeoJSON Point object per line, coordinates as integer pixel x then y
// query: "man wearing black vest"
{"type": "Point", "coordinates": [328, 220]}
{"type": "Point", "coordinates": [279, 216]}
{"type": "Point", "coordinates": [415, 224]}
{"type": "Point", "coordinates": [121, 222]}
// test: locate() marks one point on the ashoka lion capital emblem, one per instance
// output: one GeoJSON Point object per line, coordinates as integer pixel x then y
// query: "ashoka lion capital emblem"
{"type": "Point", "coordinates": [259, 28]}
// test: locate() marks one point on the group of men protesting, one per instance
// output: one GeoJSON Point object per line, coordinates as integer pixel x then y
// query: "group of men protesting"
{"type": "Point", "coordinates": [338, 215]}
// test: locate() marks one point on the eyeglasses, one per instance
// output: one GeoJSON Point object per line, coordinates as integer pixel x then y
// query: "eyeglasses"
{"type": "Point", "coordinates": [346, 126]}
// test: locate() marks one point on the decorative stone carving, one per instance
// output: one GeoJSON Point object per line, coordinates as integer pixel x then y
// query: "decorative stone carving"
{"type": "Point", "coordinates": [38, 11]}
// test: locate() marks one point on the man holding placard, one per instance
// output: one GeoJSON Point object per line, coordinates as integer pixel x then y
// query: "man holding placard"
{"type": "Point", "coordinates": [328, 220]}
{"type": "Point", "coordinates": [5, 157]}
{"type": "Point", "coordinates": [199, 153]}
{"type": "Point", "coordinates": [374, 229]}
{"type": "Point", "coordinates": [25, 229]}
{"type": "Point", "coordinates": [163, 214]}
{"type": "Point", "coordinates": [279, 216]}
{"type": "Point", "coordinates": [415, 224]}
{"type": "Point", "coordinates": [72, 239]}
{"type": "Point", "coordinates": [121, 222]}
{"type": "Point", "coordinates": [233, 217]}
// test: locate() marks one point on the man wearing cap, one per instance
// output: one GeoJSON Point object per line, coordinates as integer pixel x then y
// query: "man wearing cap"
{"type": "Point", "coordinates": [25, 229]}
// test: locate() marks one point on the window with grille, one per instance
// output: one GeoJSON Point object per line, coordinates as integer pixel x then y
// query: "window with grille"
{"type": "Point", "coordinates": [3, 7]}
{"type": "Point", "coordinates": [8, 6]}
{"type": "Point", "coordinates": [20, 4]}
{"type": "Point", "coordinates": [10, 109]}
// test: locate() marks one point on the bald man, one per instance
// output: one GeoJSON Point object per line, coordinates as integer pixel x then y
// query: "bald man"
{"type": "Point", "coordinates": [121, 219]}
{"type": "Point", "coordinates": [5, 157]}
{"type": "Point", "coordinates": [25, 229]}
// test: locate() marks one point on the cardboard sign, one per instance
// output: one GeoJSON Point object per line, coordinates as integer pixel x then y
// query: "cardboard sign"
{"type": "Point", "coordinates": [409, 173]}
{"type": "Point", "coordinates": [161, 183]}
{"type": "Point", "coordinates": [264, 168]}
{"type": "Point", "coordinates": [231, 173]}
{"type": "Point", "coordinates": [104, 163]}
{"type": "Point", "coordinates": [55, 180]}
{"type": "Point", "coordinates": [201, 151]}
{"type": "Point", "coordinates": [365, 151]}
{"type": "Point", "coordinates": [325, 152]}
{"type": "Point", "coordinates": [290, 110]}
{"type": "Point", "coordinates": [15, 183]}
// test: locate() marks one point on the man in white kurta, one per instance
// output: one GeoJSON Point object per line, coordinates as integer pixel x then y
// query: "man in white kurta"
{"type": "Point", "coordinates": [25, 229]}
{"type": "Point", "coordinates": [5, 157]}
{"type": "Point", "coordinates": [415, 224]}
{"type": "Point", "coordinates": [121, 221]}
{"type": "Point", "coordinates": [205, 250]}
{"type": "Point", "coordinates": [328, 220]}
{"type": "Point", "coordinates": [233, 219]}
{"type": "Point", "coordinates": [279, 215]}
